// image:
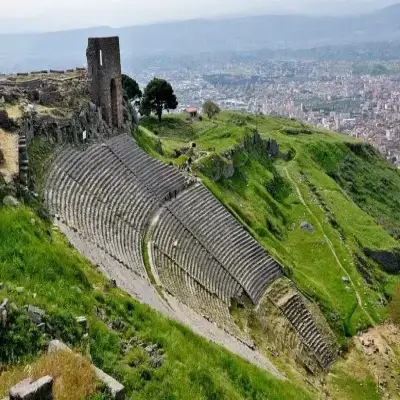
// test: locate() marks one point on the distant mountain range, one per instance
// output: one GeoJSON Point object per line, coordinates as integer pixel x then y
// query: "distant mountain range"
{"type": "Point", "coordinates": [24, 52]}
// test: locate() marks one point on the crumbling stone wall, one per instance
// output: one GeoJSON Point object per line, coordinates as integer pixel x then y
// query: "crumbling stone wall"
{"type": "Point", "coordinates": [104, 78]}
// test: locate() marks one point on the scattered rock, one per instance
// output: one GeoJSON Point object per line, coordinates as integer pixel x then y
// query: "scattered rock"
{"type": "Point", "coordinates": [57, 345]}
{"type": "Point", "coordinates": [35, 314]}
{"type": "Point", "coordinates": [117, 390]}
{"type": "Point", "coordinates": [3, 313]}
{"type": "Point", "coordinates": [345, 279]}
{"type": "Point", "coordinates": [157, 360]}
{"type": "Point", "coordinates": [113, 283]}
{"type": "Point", "coordinates": [156, 357]}
{"type": "Point", "coordinates": [307, 226]}
{"type": "Point", "coordinates": [117, 326]}
{"type": "Point", "coordinates": [155, 354]}
{"type": "Point", "coordinates": [82, 321]}
{"type": "Point", "coordinates": [10, 201]}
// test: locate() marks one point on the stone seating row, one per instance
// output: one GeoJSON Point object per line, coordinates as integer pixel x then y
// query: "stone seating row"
{"type": "Point", "coordinates": [300, 317]}
{"type": "Point", "coordinates": [162, 179]}
{"type": "Point", "coordinates": [111, 182]}
{"type": "Point", "coordinates": [226, 240]}
{"type": "Point", "coordinates": [95, 221]}
{"type": "Point", "coordinates": [171, 236]}
{"type": "Point", "coordinates": [181, 285]}
{"type": "Point", "coordinates": [96, 194]}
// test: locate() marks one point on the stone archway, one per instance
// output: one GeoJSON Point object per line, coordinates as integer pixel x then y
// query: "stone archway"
{"type": "Point", "coordinates": [114, 103]}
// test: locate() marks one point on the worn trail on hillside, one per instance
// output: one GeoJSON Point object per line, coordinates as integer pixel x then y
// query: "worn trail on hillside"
{"type": "Point", "coordinates": [330, 244]}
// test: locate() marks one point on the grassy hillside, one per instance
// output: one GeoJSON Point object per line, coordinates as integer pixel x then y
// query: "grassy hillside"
{"type": "Point", "coordinates": [341, 187]}
{"type": "Point", "coordinates": [38, 267]}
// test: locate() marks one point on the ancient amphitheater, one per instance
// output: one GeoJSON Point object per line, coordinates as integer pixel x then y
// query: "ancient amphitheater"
{"type": "Point", "coordinates": [161, 235]}
{"type": "Point", "coordinates": [118, 200]}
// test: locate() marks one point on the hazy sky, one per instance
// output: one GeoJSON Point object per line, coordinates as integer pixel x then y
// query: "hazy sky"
{"type": "Point", "coordinates": [26, 15]}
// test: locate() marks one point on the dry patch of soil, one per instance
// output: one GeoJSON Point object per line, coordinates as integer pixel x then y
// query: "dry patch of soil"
{"type": "Point", "coordinates": [372, 365]}
{"type": "Point", "coordinates": [9, 147]}
{"type": "Point", "coordinates": [381, 347]}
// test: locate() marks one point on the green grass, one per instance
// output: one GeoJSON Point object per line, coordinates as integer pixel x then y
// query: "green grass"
{"type": "Point", "coordinates": [40, 152]}
{"type": "Point", "coordinates": [366, 178]}
{"type": "Point", "coordinates": [351, 195]}
{"type": "Point", "coordinates": [55, 277]}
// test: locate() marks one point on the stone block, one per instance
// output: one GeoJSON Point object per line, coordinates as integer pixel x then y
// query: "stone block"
{"type": "Point", "coordinates": [307, 226]}
{"type": "Point", "coordinates": [35, 314]}
{"type": "Point", "coordinates": [117, 389]}
{"type": "Point", "coordinates": [82, 321]}
{"type": "Point", "coordinates": [10, 201]}
{"type": "Point", "coordinates": [57, 345]}
{"type": "Point", "coordinates": [3, 313]}
{"type": "Point", "coordinates": [42, 389]}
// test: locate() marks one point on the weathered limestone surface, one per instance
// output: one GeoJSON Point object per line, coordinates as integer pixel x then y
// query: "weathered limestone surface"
{"type": "Point", "coordinates": [42, 389]}
{"type": "Point", "coordinates": [57, 345]}
{"type": "Point", "coordinates": [117, 390]}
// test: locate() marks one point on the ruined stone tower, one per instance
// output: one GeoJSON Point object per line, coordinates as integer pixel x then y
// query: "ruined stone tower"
{"type": "Point", "coordinates": [104, 75]}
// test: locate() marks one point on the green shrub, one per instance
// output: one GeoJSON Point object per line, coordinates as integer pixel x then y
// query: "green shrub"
{"type": "Point", "coordinates": [20, 339]}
